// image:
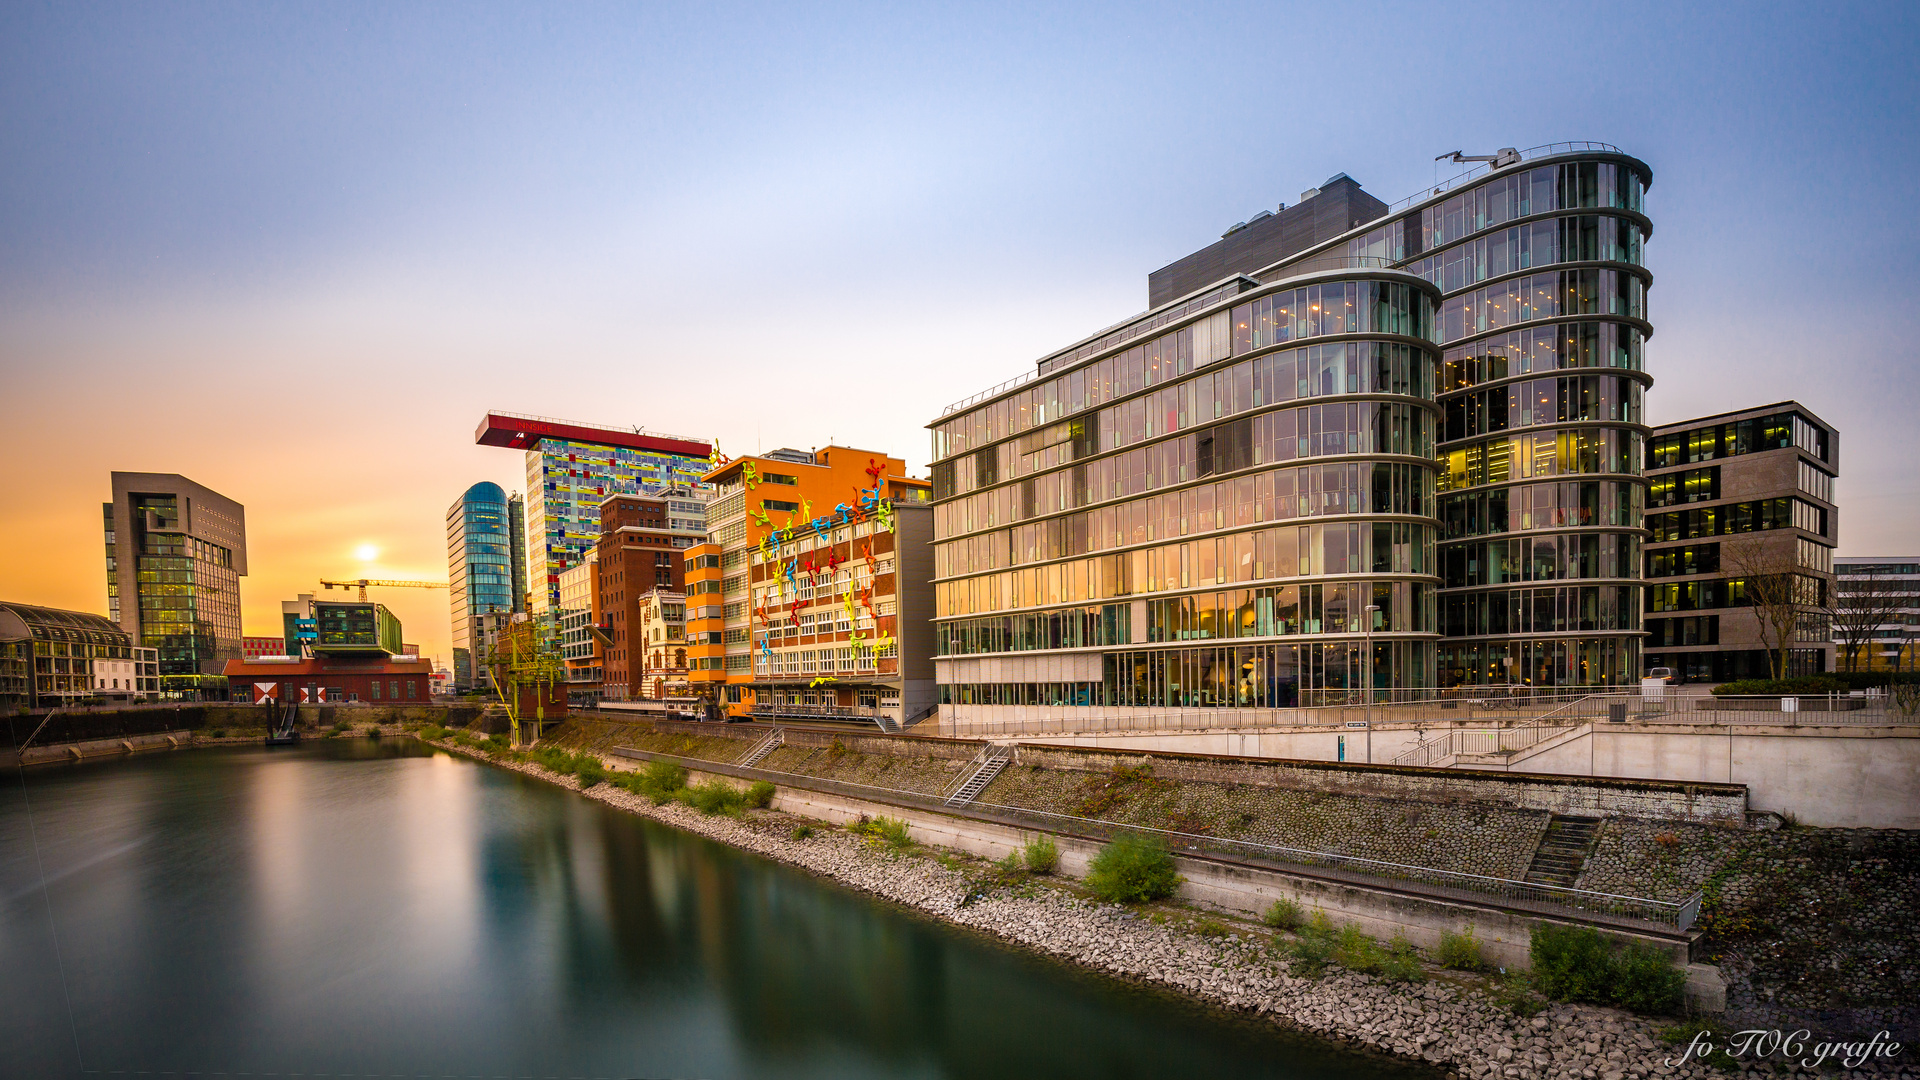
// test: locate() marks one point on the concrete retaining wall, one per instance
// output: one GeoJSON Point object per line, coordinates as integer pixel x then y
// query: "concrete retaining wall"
{"type": "Point", "coordinates": [1245, 890]}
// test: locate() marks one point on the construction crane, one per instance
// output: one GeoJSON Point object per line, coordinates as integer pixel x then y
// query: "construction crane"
{"type": "Point", "coordinates": [362, 583]}
{"type": "Point", "coordinates": [528, 675]}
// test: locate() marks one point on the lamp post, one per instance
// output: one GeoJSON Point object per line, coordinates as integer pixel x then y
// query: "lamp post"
{"type": "Point", "coordinates": [1371, 609]}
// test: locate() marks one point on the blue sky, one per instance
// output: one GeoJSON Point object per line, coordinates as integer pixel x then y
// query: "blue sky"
{"type": "Point", "coordinates": [294, 251]}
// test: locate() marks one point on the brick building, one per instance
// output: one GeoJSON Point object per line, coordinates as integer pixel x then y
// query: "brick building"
{"type": "Point", "coordinates": [639, 555]}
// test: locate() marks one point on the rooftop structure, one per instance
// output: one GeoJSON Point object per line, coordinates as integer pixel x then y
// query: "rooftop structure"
{"type": "Point", "coordinates": [571, 468]}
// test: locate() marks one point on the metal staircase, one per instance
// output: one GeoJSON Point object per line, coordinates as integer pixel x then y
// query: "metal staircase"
{"type": "Point", "coordinates": [986, 765]}
{"type": "Point", "coordinates": [761, 749]}
{"type": "Point", "coordinates": [1563, 850]}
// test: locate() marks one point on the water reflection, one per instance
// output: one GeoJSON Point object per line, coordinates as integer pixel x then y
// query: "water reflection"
{"type": "Point", "coordinates": [359, 907]}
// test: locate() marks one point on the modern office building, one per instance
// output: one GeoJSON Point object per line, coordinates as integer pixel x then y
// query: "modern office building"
{"type": "Point", "coordinates": [1885, 592]}
{"type": "Point", "coordinates": [1731, 496]}
{"type": "Point", "coordinates": [812, 596]}
{"type": "Point", "coordinates": [642, 538]}
{"type": "Point", "coordinates": [356, 628]}
{"type": "Point", "coordinates": [176, 552]}
{"type": "Point", "coordinates": [571, 468]}
{"type": "Point", "coordinates": [51, 657]}
{"type": "Point", "coordinates": [582, 637]}
{"type": "Point", "coordinates": [485, 571]}
{"type": "Point", "coordinates": [1120, 512]}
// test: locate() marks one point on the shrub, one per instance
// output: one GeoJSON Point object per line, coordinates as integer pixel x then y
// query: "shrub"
{"type": "Point", "coordinates": [1803, 684]}
{"type": "Point", "coordinates": [1213, 928]}
{"type": "Point", "coordinates": [884, 831]}
{"type": "Point", "coordinates": [1312, 950]}
{"type": "Point", "coordinates": [373, 731]}
{"type": "Point", "coordinates": [1041, 855]}
{"type": "Point", "coordinates": [340, 727]}
{"type": "Point", "coordinates": [1354, 950]}
{"type": "Point", "coordinates": [221, 733]}
{"type": "Point", "coordinates": [801, 832]}
{"type": "Point", "coordinates": [433, 733]}
{"type": "Point", "coordinates": [589, 772]}
{"type": "Point", "coordinates": [661, 782]}
{"type": "Point", "coordinates": [1133, 870]}
{"type": "Point", "coordinates": [1647, 981]}
{"type": "Point", "coordinates": [717, 797]}
{"type": "Point", "coordinates": [500, 741]}
{"type": "Point", "coordinates": [1282, 915]}
{"type": "Point", "coordinates": [1402, 962]}
{"type": "Point", "coordinates": [1571, 963]}
{"type": "Point", "coordinates": [1460, 952]}
{"type": "Point", "coordinates": [1578, 964]}
{"type": "Point", "coordinates": [760, 794]}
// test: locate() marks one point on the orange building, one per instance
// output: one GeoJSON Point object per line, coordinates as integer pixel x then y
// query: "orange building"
{"type": "Point", "coordinates": [813, 595]}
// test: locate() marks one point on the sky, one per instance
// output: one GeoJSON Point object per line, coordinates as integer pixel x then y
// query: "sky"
{"type": "Point", "coordinates": [295, 252]}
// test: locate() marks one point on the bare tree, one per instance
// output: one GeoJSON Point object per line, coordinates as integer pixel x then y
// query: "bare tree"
{"type": "Point", "coordinates": [1781, 596]}
{"type": "Point", "coordinates": [1861, 604]}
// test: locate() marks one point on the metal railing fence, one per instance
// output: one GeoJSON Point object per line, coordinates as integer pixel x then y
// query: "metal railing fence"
{"type": "Point", "coordinates": [1676, 914]}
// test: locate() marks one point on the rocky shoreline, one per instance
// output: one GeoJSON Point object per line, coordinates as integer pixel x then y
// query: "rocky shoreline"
{"type": "Point", "coordinates": [1460, 1029]}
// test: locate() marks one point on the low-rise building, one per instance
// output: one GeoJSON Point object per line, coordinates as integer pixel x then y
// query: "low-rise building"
{"type": "Point", "coordinates": [51, 657]}
{"type": "Point", "coordinates": [373, 678]}
{"type": "Point", "coordinates": [1730, 498]}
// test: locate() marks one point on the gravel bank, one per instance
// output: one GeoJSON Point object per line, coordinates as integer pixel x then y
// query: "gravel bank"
{"type": "Point", "coordinates": [1446, 1024]}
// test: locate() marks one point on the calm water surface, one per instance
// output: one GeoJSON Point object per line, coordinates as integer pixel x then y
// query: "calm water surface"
{"type": "Point", "coordinates": [362, 909]}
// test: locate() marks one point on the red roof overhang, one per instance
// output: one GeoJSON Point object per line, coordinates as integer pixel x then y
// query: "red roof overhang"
{"type": "Point", "coordinates": [522, 433]}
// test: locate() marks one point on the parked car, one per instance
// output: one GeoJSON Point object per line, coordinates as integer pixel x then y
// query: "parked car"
{"type": "Point", "coordinates": [1665, 674]}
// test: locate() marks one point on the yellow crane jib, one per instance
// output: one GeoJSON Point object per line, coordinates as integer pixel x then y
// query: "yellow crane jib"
{"type": "Point", "coordinates": [379, 583]}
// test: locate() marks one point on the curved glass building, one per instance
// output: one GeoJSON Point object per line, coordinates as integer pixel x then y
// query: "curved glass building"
{"type": "Point", "coordinates": [480, 568]}
{"type": "Point", "coordinates": [1539, 258]}
{"type": "Point", "coordinates": [1217, 504]}
{"type": "Point", "coordinates": [1418, 426]}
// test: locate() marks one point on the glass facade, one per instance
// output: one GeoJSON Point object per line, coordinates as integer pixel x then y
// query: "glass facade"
{"type": "Point", "coordinates": [480, 571]}
{"type": "Point", "coordinates": [188, 590]}
{"type": "Point", "coordinates": [1105, 506]}
{"type": "Point", "coordinates": [566, 482]}
{"type": "Point", "coordinates": [1533, 287]}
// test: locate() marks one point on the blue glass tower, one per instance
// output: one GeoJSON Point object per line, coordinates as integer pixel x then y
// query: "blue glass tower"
{"type": "Point", "coordinates": [481, 568]}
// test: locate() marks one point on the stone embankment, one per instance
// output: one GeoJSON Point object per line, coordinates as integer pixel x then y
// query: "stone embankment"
{"type": "Point", "coordinates": [1456, 1023]}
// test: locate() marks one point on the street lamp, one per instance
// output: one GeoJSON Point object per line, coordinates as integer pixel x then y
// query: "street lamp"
{"type": "Point", "coordinates": [1371, 609]}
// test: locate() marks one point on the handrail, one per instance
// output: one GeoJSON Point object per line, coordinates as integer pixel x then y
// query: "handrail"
{"type": "Point", "coordinates": [1543, 150]}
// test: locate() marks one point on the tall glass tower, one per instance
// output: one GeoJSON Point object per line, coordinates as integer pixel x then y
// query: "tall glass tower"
{"type": "Point", "coordinates": [176, 552]}
{"type": "Point", "coordinates": [481, 569]}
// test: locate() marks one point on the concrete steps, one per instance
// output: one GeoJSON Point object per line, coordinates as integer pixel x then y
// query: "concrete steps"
{"type": "Point", "coordinates": [1563, 850]}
